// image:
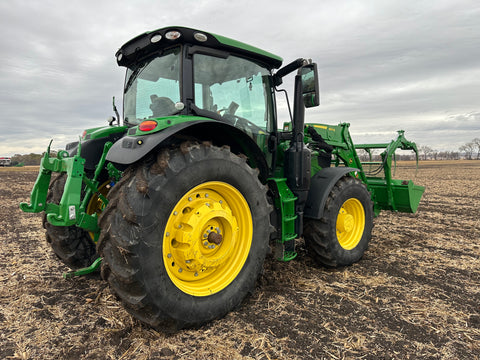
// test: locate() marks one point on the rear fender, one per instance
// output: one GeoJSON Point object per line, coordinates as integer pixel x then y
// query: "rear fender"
{"type": "Point", "coordinates": [321, 185]}
{"type": "Point", "coordinates": [131, 149]}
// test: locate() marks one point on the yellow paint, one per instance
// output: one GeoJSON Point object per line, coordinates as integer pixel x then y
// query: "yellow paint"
{"type": "Point", "coordinates": [350, 223]}
{"type": "Point", "coordinates": [195, 265]}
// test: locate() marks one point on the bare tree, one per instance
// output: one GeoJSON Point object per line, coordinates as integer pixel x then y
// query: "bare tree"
{"type": "Point", "coordinates": [426, 151]}
{"type": "Point", "coordinates": [476, 143]}
{"type": "Point", "coordinates": [468, 149]}
{"type": "Point", "coordinates": [454, 155]}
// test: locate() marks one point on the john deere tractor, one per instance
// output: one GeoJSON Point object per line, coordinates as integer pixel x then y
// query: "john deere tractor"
{"type": "Point", "coordinates": [180, 204]}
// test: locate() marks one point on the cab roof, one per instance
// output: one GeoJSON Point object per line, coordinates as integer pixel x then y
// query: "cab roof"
{"type": "Point", "coordinates": [156, 40]}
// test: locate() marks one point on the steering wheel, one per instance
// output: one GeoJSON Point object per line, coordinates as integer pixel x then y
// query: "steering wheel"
{"type": "Point", "coordinates": [242, 123]}
{"type": "Point", "coordinates": [238, 121]}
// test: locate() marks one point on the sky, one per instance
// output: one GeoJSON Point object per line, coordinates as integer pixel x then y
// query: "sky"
{"type": "Point", "coordinates": [384, 65]}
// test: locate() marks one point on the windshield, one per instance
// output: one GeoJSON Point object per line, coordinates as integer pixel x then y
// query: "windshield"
{"type": "Point", "coordinates": [153, 88]}
{"type": "Point", "coordinates": [235, 88]}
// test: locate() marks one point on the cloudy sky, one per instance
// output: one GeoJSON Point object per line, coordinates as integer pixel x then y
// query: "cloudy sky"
{"type": "Point", "coordinates": [384, 65]}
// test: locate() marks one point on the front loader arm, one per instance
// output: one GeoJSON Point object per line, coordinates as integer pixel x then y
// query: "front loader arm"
{"type": "Point", "coordinates": [391, 194]}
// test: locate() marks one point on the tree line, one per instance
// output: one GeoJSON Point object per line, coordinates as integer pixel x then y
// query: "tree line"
{"type": "Point", "coordinates": [469, 151]}
{"type": "Point", "coordinates": [29, 159]}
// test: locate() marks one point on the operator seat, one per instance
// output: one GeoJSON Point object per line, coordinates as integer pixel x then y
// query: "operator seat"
{"type": "Point", "coordinates": [162, 106]}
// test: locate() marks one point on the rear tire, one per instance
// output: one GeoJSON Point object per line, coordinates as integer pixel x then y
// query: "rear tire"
{"type": "Point", "coordinates": [341, 236]}
{"type": "Point", "coordinates": [159, 254]}
{"type": "Point", "coordinates": [73, 245]}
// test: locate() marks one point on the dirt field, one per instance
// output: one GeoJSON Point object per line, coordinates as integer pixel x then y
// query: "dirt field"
{"type": "Point", "coordinates": [414, 295]}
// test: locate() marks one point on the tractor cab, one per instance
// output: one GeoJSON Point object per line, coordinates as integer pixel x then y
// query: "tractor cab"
{"type": "Point", "coordinates": [197, 83]}
{"type": "Point", "coordinates": [181, 71]}
{"type": "Point", "coordinates": [229, 88]}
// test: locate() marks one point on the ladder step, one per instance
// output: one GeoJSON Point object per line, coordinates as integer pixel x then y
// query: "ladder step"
{"type": "Point", "coordinates": [289, 237]}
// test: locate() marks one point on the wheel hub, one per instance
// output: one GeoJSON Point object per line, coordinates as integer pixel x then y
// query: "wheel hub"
{"type": "Point", "coordinates": [346, 222]}
{"type": "Point", "coordinates": [215, 238]}
{"type": "Point", "coordinates": [350, 223]}
{"type": "Point", "coordinates": [207, 238]}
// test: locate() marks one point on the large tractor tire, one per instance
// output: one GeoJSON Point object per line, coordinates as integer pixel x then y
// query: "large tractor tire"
{"type": "Point", "coordinates": [73, 245]}
{"type": "Point", "coordinates": [341, 236]}
{"type": "Point", "coordinates": [184, 236]}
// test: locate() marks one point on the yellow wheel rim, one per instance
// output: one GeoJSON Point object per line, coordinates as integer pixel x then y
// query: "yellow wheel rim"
{"type": "Point", "coordinates": [96, 205]}
{"type": "Point", "coordinates": [350, 223]}
{"type": "Point", "coordinates": [207, 238]}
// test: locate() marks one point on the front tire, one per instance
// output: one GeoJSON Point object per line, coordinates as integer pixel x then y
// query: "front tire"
{"type": "Point", "coordinates": [341, 236]}
{"type": "Point", "coordinates": [185, 236]}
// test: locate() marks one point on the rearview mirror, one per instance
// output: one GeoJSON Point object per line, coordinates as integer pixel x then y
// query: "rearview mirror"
{"type": "Point", "coordinates": [310, 88]}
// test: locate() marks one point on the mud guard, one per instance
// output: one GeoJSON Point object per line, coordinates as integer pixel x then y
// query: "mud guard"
{"type": "Point", "coordinates": [321, 185]}
{"type": "Point", "coordinates": [132, 148]}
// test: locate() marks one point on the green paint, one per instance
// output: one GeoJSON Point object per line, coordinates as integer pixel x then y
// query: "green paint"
{"type": "Point", "coordinates": [84, 271]}
{"type": "Point", "coordinates": [387, 193]}
{"type": "Point", "coordinates": [240, 45]}
{"type": "Point", "coordinates": [165, 122]}
{"type": "Point", "coordinates": [285, 205]}
{"type": "Point", "coordinates": [72, 207]}
{"type": "Point", "coordinates": [104, 131]}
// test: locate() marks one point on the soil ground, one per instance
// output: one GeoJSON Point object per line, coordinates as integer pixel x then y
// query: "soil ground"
{"type": "Point", "coordinates": [414, 295]}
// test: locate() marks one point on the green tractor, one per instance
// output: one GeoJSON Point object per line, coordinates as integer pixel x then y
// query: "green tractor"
{"type": "Point", "coordinates": [180, 204]}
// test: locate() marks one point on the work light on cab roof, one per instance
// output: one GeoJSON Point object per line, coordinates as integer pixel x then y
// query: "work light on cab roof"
{"type": "Point", "coordinates": [155, 38]}
{"type": "Point", "coordinates": [200, 37]}
{"type": "Point", "coordinates": [173, 35]}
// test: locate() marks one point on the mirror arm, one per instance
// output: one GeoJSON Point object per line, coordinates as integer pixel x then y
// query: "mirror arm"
{"type": "Point", "coordinates": [287, 69]}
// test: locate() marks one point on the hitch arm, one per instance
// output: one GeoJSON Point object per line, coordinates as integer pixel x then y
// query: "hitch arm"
{"type": "Point", "coordinates": [38, 197]}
